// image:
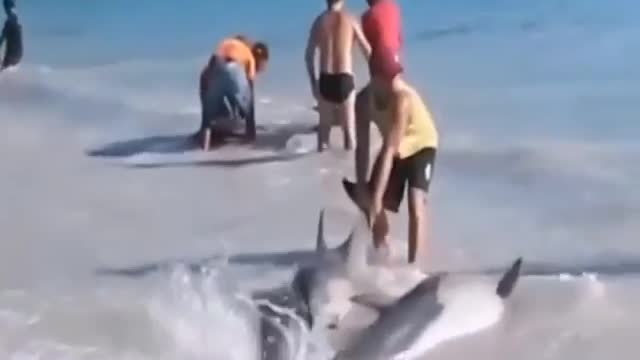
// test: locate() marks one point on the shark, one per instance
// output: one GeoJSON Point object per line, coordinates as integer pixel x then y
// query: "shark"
{"type": "Point", "coordinates": [439, 308]}
{"type": "Point", "coordinates": [402, 312]}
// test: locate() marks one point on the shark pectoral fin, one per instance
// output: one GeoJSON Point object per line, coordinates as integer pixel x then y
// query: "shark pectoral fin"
{"type": "Point", "coordinates": [375, 301]}
{"type": "Point", "coordinates": [509, 279]}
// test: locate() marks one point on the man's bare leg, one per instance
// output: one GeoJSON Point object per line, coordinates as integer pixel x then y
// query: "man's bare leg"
{"type": "Point", "coordinates": [362, 129]}
{"type": "Point", "coordinates": [324, 127]}
{"type": "Point", "coordinates": [380, 230]}
{"type": "Point", "coordinates": [345, 114]}
{"type": "Point", "coordinates": [206, 139]}
{"type": "Point", "coordinates": [418, 217]}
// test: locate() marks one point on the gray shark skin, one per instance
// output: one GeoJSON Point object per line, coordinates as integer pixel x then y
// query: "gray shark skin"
{"type": "Point", "coordinates": [410, 326]}
{"type": "Point", "coordinates": [407, 324]}
{"type": "Point", "coordinates": [307, 285]}
{"type": "Point", "coordinates": [328, 278]}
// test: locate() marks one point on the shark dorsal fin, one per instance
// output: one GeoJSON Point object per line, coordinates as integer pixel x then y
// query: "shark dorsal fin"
{"type": "Point", "coordinates": [509, 279]}
{"type": "Point", "coordinates": [344, 248]}
{"type": "Point", "coordinates": [321, 243]}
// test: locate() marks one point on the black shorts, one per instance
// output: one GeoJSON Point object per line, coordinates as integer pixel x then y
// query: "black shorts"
{"type": "Point", "coordinates": [336, 88]}
{"type": "Point", "coordinates": [415, 170]}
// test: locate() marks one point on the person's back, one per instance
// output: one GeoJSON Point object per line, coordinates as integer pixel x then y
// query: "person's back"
{"type": "Point", "coordinates": [335, 42]}
{"type": "Point", "coordinates": [382, 25]}
{"type": "Point", "coordinates": [235, 49]}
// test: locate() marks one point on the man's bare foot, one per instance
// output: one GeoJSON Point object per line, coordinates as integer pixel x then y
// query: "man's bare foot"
{"type": "Point", "coordinates": [322, 147]}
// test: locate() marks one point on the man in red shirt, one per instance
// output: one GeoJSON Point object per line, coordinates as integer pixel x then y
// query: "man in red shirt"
{"type": "Point", "coordinates": [382, 25]}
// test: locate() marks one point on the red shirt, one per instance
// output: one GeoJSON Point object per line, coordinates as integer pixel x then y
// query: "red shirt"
{"type": "Point", "coordinates": [382, 25]}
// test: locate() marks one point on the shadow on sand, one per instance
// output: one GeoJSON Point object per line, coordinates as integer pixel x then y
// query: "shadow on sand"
{"type": "Point", "coordinates": [283, 259]}
{"type": "Point", "coordinates": [298, 258]}
{"type": "Point", "coordinates": [228, 163]}
{"type": "Point", "coordinates": [614, 267]}
{"type": "Point", "coordinates": [164, 151]}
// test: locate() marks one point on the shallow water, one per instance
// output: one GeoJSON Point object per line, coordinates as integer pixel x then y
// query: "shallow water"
{"type": "Point", "coordinates": [536, 105]}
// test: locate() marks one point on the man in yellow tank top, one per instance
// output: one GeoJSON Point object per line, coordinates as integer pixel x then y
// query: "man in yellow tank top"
{"type": "Point", "coordinates": [407, 156]}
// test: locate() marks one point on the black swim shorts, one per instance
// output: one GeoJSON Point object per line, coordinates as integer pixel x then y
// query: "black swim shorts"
{"type": "Point", "coordinates": [415, 170]}
{"type": "Point", "coordinates": [336, 88]}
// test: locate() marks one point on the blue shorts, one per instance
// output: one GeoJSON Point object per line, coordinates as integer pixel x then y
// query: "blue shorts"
{"type": "Point", "coordinates": [228, 98]}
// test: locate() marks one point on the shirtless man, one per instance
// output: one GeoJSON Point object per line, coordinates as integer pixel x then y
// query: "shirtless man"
{"type": "Point", "coordinates": [333, 33]}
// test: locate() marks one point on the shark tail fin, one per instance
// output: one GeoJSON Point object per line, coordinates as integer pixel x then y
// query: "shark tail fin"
{"type": "Point", "coordinates": [509, 279]}
{"type": "Point", "coordinates": [321, 243]}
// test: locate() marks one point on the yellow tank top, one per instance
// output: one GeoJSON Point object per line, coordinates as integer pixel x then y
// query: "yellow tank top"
{"type": "Point", "coordinates": [420, 132]}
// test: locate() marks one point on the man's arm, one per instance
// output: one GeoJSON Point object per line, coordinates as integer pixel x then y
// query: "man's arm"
{"type": "Point", "coordinates": [250, 68]}
{"type": "Point", "coordinates": [362, 41]}
{"type": "Point", "coordinates": [309, 55]}
{"type": "Point", "coordinates": [391, 143]}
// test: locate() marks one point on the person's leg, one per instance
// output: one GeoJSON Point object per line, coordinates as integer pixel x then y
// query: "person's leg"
{"type": "Point", "coordinates": [362, 115]}
{"type": "Point", "coordinates": [238, 91]}
{"type": "Point", "coordinates": [418, 217]}
{"type": "Point", "coordinates": [325, 111]}
{"type": "Point", "coordinates": [203, 82]}
{"type": "Point", "coordinates": [206, 140]}
{"type": "Point", "coordinates": [216, 116]}
{"type": "Point", "coordinates": [199, 135]}
{"type": "Point", "coordinates": [345, 111]}
{"type": "Point", "coordinates": [217, 128]}
{"type": "Point", "coordinates": [204, 137]}
{"type": "Point", "coordinates": [420, 168]}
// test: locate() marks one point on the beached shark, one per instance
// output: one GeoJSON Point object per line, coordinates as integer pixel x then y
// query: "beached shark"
{"type": "Point", "coordinates": [409, 312]}
{"type": "Point", "coordinates": [414, 311]}
{"type": "Point", "coordinates": [438, 309]}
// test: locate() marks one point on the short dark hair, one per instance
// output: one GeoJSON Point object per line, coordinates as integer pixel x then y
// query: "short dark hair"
{"type": "Point", "coordinates": [333, 2]}
{"type": "Point", "coordinates": [260, 51]}
{"type": "Point", "coordinates": [242, 38]}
